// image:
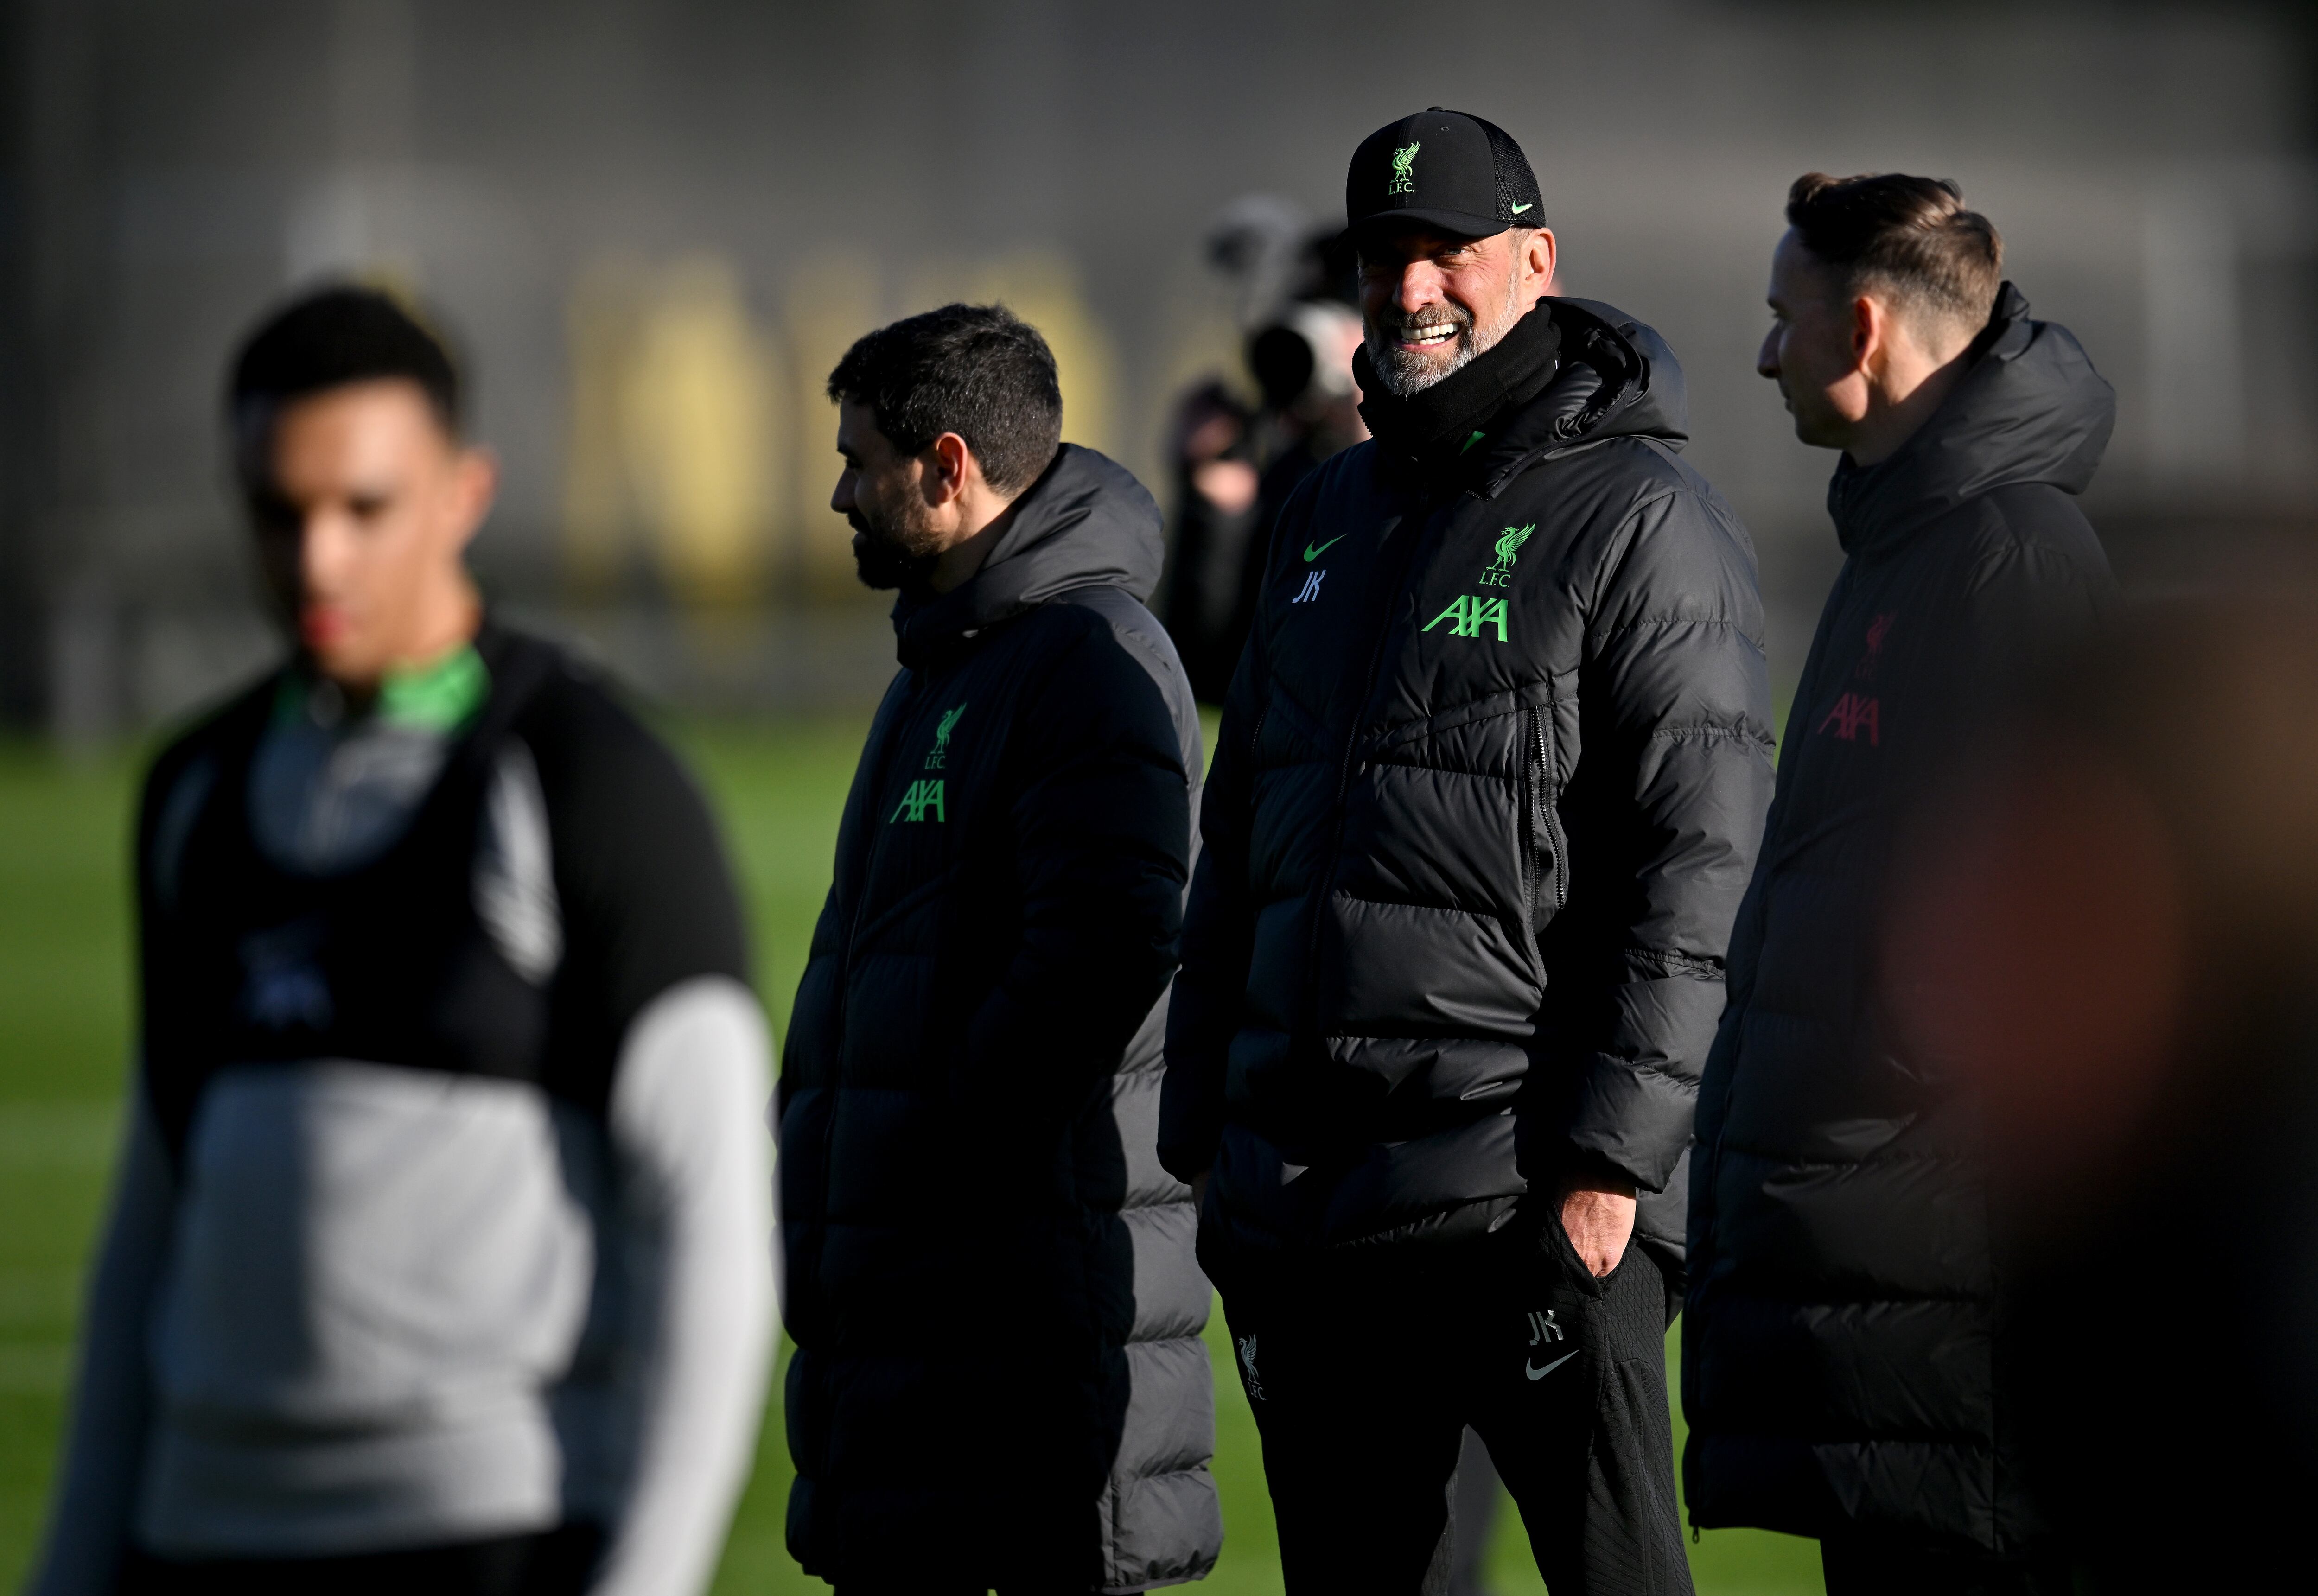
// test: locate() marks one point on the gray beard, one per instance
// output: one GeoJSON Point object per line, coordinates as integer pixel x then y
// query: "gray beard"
{"type": "Point", "coordinates": [1405, 374]}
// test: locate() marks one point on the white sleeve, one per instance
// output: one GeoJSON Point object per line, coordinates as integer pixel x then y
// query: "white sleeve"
{"type": "Point", "coordinates": [689, 1148]}
{"type": "Point", "coordinates": [95, 1495]}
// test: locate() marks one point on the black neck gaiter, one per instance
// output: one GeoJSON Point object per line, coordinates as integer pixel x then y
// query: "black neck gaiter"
{"type": "Point", "coordinates": [1435, 424]}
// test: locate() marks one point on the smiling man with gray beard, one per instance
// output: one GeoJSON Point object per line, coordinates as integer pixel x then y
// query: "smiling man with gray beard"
{"type": "Point", "coordinates": [1488, 788]}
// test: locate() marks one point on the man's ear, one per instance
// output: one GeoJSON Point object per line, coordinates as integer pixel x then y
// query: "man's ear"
{"type": "Point", "coordinates": [477, 486]}
{"type": "Point", "coordinates": [949, 465]}
{"type": "Point", "coordinates": [1542, 252]}
{"type": "Point", "coordinates": [1870, 329]}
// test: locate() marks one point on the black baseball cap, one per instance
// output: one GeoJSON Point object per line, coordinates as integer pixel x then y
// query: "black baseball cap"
{"type": "Point", "coordinates": [1444, 169]}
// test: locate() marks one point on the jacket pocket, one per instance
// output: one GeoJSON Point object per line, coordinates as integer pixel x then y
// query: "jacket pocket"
{"type": "Point", "coordinates": [1568, 1267]}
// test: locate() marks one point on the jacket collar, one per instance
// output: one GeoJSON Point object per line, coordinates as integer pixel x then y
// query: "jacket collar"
{"type": "Point", "coordinates": [2031, 409]}
{"type": "Point", "coordinates": [1432, 427]}
{"type": "Point", "coordinates": [1609, 376]}
{"type": "Point", "coordinates": [1085, 522]}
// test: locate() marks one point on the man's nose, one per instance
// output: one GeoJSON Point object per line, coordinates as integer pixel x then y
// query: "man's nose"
{"type": "Point", "coordinates": [1766, 358]}
{"type": "Point", "coordinates": [1419, 286]}
{"type": "Point", "coordinates": [321, 551]}
{"type": "Point", "coordinates": [841, 497]}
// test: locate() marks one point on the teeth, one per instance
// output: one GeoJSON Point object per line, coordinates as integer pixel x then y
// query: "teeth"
{"type": "Point", "coordinates": [1428, 335]}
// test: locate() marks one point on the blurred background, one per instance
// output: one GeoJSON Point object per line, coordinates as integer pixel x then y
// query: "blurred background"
{"type": "Point", "coordinates": [653, 227]}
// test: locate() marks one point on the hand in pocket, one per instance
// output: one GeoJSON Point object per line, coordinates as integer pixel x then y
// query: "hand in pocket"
{"type": "Point", "coordinates": [1597, 1215]}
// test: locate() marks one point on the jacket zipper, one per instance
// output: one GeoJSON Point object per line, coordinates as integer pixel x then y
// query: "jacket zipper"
{"type": "Point", "coordinates": [1535, 840]}
{"type": "Point", "coordinates": [1533, 797]}
{"type": "Point", "coordinates": [1547, 812]}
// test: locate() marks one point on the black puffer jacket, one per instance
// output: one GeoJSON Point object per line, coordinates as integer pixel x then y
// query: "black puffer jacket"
{"type": "Point", "coordinates": [1485, 797]}
{"type": "Point", "coordinates": [999, 1377]}
{"type": "Point", "coordinates": [1840, 1366]}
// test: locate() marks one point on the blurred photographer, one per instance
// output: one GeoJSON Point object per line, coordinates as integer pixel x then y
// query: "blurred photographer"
{"type": "Point", "coordinates": [1235, 465]}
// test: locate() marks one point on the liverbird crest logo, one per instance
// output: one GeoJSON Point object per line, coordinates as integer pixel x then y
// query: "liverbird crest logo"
{"type": "Point", "coordinates": [1404, 182]}
{"type": "Point", "coordinates": [942, 729]}
{"type": "Point", "coordinates": [1247, 1362]}
{"type": "Point", "coordinates": [1500, 571]}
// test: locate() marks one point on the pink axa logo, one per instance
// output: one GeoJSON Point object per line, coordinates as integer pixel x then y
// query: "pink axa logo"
{"type": "Point", "coordinates": [1853, 713]}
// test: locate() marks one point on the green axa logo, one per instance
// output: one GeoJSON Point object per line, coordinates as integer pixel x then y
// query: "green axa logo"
{"type": "Point", "coordinates": [1500, 573]}
{"type": "Point", "coordinates": [1469, 614]}
{"type": "Point", "coordinates": [1404, 181]}
{"type": "Point", "coordinates": [940, 756]}
{"type": "Point", "coordinates": [922, 795]}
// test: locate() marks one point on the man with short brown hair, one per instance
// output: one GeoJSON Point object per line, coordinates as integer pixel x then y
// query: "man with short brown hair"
{"type": "Point", "coordinates": [1840, 1369]}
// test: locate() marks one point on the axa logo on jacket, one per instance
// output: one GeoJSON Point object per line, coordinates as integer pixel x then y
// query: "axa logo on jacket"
{"type": "Point", "coordinates": [1853, 714]}
{"type": "Point", "coordinates": [922, 797]}
{"type": "Point", "coordinates": [1470, 613]}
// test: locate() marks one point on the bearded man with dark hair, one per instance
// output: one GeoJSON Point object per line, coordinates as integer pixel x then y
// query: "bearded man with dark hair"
{"type": "Point", "coordinates": [1844, 1362]}
{"type": "Point", "coordinates": [999, 1379]}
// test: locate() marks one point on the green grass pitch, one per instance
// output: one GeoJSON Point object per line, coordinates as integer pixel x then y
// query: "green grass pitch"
{"type": "Point", "coordinates": [65, 1014]}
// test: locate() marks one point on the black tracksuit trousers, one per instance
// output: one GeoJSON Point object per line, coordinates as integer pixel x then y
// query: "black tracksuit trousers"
{"type": "Point", "coordinates": [548, 1563]}
{"type": "Point", "coordinates": [1364, 1373]}
{"type": "Point", "coordinates": [1879, 1565]}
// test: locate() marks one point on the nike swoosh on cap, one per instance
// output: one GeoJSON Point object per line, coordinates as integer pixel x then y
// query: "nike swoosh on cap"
{"type": "Point", "coordinates": [1313, 551]}
{"type": "Point", "coordinates": [1534, 1372]}
{"type": "Point", "coordinates": [1519, 209]}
